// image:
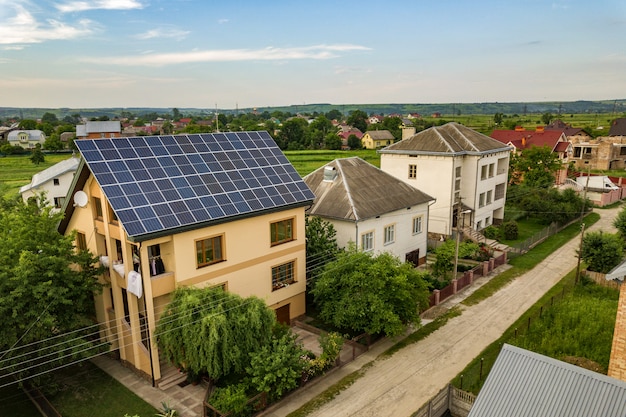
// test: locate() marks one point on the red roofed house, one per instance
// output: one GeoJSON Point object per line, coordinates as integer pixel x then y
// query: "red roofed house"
{"type": "Point", "coordinates": [521, 139]}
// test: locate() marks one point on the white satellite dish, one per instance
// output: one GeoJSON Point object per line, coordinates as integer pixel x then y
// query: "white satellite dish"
{"type": "Point", "coordinates": [80, 199]}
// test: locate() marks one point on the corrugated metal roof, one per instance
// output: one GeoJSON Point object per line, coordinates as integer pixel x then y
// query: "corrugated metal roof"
{"type": "Point", "coordinates": [359, 191]}
{"type": "Point", "coordinates": [96, 126]}
{"type": "Point", "coordinates": [55, 170]}
{"type": "Point", "coordinates": [524, 383]}
{"type": "Point", "coordinates": [32, 135]}
{"type": "Point", "coordinates": [451, 138]}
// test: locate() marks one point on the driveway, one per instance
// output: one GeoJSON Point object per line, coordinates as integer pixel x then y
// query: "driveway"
{"type": "Point", "coordinates": [400, 385]}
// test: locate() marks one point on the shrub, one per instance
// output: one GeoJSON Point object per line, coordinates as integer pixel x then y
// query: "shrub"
{"type": "Point", "coordinates": [231, 399]}
{"type": "Point", "coordinates": [492, 232]}
{"type": "Point", "coordinates": [511, 230]}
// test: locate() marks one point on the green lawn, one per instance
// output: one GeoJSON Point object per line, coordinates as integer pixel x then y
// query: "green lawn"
{"type": "Point", "coordinates": [306, 162]}
{"type": "Point", "coordinates": [85, 388]}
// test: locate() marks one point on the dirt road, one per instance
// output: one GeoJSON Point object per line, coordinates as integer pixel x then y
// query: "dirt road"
{"type": "Point", "coordinates": [401, 384]}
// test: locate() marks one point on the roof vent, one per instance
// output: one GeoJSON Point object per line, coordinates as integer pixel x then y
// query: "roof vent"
{"type": "Point", "coordinates": [330, 173]}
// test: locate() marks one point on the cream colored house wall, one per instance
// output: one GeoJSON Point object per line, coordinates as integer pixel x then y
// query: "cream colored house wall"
{"type": "Point", "coordinates": [246, 271]}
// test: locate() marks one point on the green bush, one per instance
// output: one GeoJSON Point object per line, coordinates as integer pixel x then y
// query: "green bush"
{"type": "Point", "coordinates": [511, 230]}
{"type": "Point", "coordinates": [231, 399]}
{"type": "Point", "coordinates": [492, 232]}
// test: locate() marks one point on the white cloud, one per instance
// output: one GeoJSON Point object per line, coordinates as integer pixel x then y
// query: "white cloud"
{"type": "Point", "coordinates": [164, 33]}
{"type": "Point", "coordinates": [22, 28]}
{"type": "Point", "coordinates": [81, 6]}
{"type": "Point", "coordinates": [222, 21]}
{"type": "Point", "coordinates": [229, 55]}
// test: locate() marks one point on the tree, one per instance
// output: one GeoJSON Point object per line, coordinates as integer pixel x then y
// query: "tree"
{"type": "Point", "coordinates": [332, 141]}
{"type": "Point", "coordinates": [354, 142]}
{"type": "Point", "coordinates": [211, 331]}
{"type": "Point", "coordinates": [53, 143]}
{"type": "Point", "coordinates": [358, 119]}
{"type": "Point", "coordinates": [50, 118]}
{"type": "Point", "coordinates": [293, 134]}
{"type": "Point", "coordinates": [37, 155]}
{"type": "Point", "coordinates": [321, 245]}
{"type": "Point", "coordinates": [27, 124]}
{"type": "Point", "coordinates": [497, 118]}
{"type": "Point", "coordinates": [46, 292]}
{"type": "Point", "coordinates": [176, 114]}
{"type": "Point", "coordinates": [393, 124]}
{"type": "Point", "coordinates": [334, 114]}
{"type": "Point", "coordinates": [546, 118]}
{"type": "Point", "coordinates": [319, 130]}
{"type": "Point", "coordinates": [277, 368]}
{"type": "Point", "coordinates": [602, 251]}
{"type": "Point", "coordinates": [373, 294]}
{"type": "Point", "coordinates": [535, 167]}
{"type": "Point", "coordinates": [620, 223]}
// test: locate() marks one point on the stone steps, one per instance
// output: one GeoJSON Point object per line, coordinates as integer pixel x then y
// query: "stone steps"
{"type": "Point", "coordinates": [170, 376]}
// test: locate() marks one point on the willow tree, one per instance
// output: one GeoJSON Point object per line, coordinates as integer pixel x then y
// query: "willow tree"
{"type": "Point", "coordinates": [211, 331]}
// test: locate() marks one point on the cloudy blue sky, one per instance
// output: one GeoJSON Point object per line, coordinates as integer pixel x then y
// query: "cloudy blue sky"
{"type": "Point", "coordinates": [229, 53]}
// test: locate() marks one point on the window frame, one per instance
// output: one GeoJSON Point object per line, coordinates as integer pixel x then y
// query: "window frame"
{"type": "Point", "coordinates": [58, 202]}
{"type": "Point", "coordinates": [412, 171]}
{"type": "Point", "coordinates": [55, 181]}
{"type": "Point", "coordinates": [98, 209]}
{"type": "Point", "coordinates": [481, 200]}
{"type": "Point", "coordinates": [81, 241]}
{"type": "Point", "coordinates": [483, 172]}
{"type": "Point", "coordinates": [488, 197]}
{"type": "Point", "coordinates": [418, 225]}
{"type": "Point", "coordinates": [283, 275]}
{"type": "Point", "coordinates": [202, 250]}
{"type": "Point", "coordinates": [369, 238]}
{"type": "Point", "coordinates": [275, 231]}
{"type": "Point", "coordinates": [389, 234]}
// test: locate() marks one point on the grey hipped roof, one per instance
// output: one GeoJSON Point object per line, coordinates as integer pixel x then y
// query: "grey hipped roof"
{"type": "Point", "coordinates": [524, 383]}
{"type": "Point", "coordinates": [449, 139]}
{"type": "Point", "coordinates": [380, 134]}
{"type": "Point", "coordinates": [359, 191]}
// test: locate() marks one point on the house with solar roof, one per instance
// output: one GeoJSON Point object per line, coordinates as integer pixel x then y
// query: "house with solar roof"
{"type": "Point", "coordinates": [464, 170]}
{"type": "Point", "coordinates": [223, 209]}
{"type": "Point", "coordinates": [371, 208]}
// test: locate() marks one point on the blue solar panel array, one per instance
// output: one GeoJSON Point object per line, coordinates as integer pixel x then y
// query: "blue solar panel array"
{"type": "Point", "coordinates": [158, 183]}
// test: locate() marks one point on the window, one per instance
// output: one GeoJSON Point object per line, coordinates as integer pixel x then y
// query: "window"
{"type": "Point", "coordinates": [157, 267]}
{"type": "Point", "coordinates": [481, 200]}
{"type": "Point", "coordinates": [622, 150]}
{"type": "Point", "coordinates": [367, 241]}
{"type": "Point", "coordinates": [58, 201]}
{"type": "Point", "coordinates": [479, 225]}
{"type": "Point", "coordinates": [209, 251]}
{"type": "Point", "coordinates": [483, 172]}
{"type": "Point", "coordinates": [112, 215]}
{"type": "Point", "coordinates": [417, 225]}
{"type": "Point", "coordinates": [489, 193]}
{"type": "Point", "coordinates": [457, 172]}
{"type": "Point", "coordinates": [281, 232]}
{"type": "Point", "coordinates": [499, 191]}
{"type": "Point", "coordinates": [390, 234]}
{"type": "Point", "coordinates": [577, 150]}
{"type": "Point", "coordinates": [457, 184]}
{"type": "Point", "coordinates": [81, 241]}
{"type": "Point", "coordinates": [491, 169]}
{"type": "Point", "coordinates": [97, 203]}
{"type": "Point", "coordinates": [412, 171]}
{"type": "Point", "coordinates": [283, 275]}
{"type": "Point", "coordinates": [55, 181]}
{"type": "Point", "coordinates": [487, 221]}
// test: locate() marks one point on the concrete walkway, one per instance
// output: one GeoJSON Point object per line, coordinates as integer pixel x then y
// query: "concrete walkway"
{"type": "Point", "coordinates": [401, 384]}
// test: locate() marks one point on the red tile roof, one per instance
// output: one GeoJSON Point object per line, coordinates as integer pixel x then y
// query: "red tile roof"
{"type": "Point", "coordinates": [526, 138]}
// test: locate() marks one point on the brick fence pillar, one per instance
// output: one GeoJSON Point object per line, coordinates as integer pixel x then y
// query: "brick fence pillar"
{"type": "Point", "coordinates": [485, 268]}
{"type": "Point", "coordinates": [436, 293]}
{"type": "Point", "coordinates": [504, 256]}
{"type": "Point", "coordinates": [470, 273]}
{"type": "Point", "coordinates": [454, 285]}
{"type": "Point", "coordinates": [492, 264]}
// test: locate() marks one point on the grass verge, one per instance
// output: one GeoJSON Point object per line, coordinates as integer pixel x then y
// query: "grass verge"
{"type": "Point", "coordinates": [529, 260]}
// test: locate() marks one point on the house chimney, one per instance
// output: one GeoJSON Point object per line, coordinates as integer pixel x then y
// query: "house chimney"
{"type": "Point", "coordinates": [330, 173]}
{"type": "Point", "coordinates": [539, 129]}
{"type": "Point", "coordinates": [523, 141]}
{"type": "Point", "coordinates": [519, 128]}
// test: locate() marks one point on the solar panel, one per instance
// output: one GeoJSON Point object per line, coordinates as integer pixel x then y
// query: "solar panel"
{"type": "Point", "coordinates": [157, 184]}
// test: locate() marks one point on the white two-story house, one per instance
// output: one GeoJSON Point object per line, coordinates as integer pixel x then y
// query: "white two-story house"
{"type": "Point", "coordinates": [371, 208]}
{"type": "Point", "coordinates": [464, 170]}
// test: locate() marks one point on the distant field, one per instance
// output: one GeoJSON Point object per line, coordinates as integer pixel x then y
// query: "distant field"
{"type": "Point", "coordinates": [306, 162]}
{"type": "Point", "coordinates": [16, 171]}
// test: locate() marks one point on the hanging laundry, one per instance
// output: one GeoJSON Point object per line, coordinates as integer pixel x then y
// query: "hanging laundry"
{"type": "Point", "coordinates": [135, 285]}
